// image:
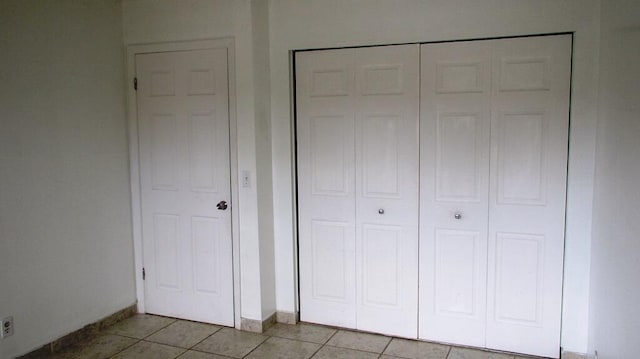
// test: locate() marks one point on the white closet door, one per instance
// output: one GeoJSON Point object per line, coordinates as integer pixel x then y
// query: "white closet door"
{"type": "Point", "coordinates": [183, 119]}
{"type": "Point", "coordinates": [357, 123]}
{"type": "Point", "coordinates": [326, 186]}
{"type": "Point", "coordinates": [529, 141]}
{"type": "Point", "coordinates": [454, 175]}
{"type": "Point", "coordinates": [493, 195]}
{"type": "Point", "coordinates": [387, 100]}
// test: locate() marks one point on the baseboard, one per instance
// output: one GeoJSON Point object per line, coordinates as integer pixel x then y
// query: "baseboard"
{"type": "Point", "coordinates": [257, 326]}
{"type": "Point", "coordinates": [82, 334]}
{"type": "Point", "coordinates": [287, 317]}
{"type": "Point", "coordinates": [572, 355]}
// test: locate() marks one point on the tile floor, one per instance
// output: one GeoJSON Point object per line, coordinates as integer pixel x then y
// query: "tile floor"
{"type": "Point", "coordinates": [155, 337]}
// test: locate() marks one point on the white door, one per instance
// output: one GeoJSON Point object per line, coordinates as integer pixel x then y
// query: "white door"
{"type": "Point", "coordinates": [357, 123]}
{"type": "Point", "coordinates": [183, 120]}
{"type": "Point", "coordinates": [326, 186]}
{"type": "Point", "coordinates": [454, 175]}
{"type": "Point", "coordinates": [494, 123]}
{"type": "Point", "coordinates": [529, 142]}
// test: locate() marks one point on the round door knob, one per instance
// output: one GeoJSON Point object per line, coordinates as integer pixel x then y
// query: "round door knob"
{"type": "Point", "coordinates": [457, 215]}
{"type": "Point", "coordinates": [381, 211]}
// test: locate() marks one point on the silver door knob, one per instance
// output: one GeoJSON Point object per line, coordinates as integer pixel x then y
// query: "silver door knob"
{"type": "Point", "coordinates": [222, 205]}
{"type": "Point", "coordinates": [381, 211]}
{"type": "Point", "coordinates": [457, 215]}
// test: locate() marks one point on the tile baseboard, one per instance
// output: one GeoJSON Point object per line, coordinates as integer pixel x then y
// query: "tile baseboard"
{"type": "Point", "coordinates": [287, 317]}
{"type": "Point", "coordinates": [82, 334]}
{"type": "Point", "coordinates": [257, 326]}
{"type": "Point", "coordinates": [572, 355]}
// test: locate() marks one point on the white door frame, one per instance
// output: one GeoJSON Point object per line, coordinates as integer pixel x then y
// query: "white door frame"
{"type": "Point", "coordinates": [134, 164]}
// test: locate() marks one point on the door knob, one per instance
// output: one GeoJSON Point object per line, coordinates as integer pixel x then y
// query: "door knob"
{"type": "Point", "coordinates": [457, 215]}
{"type": "Point", "coordinates": [222, 205]}
{"type": "Point", "coordinates": [381, 211]}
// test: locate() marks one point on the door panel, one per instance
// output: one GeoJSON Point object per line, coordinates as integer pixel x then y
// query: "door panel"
{"type": "Point", "coordinates": [357, 115]}
{"type": "Point", "coordinates": [454, 177]}
{"type": "Point", "coordinates": [521, 161]}
{"type": "Point", "coordinates": [530, 119]}
{"type": "Point", "coordinates": [330, 159]}
{"type": "Point", "coordinates": [380, 156]}
{"type": "Point", "coordinates": [326, 186]}
{"type": "Point", "coordinates": [329, 244]}
{"type": "Point", "coordinates": [455, 293]}
{"type": "Point", "coordinates": [164, 148]}
{"type": "Point", "coordinates": [386, 169]}
{"type": "Point", "coordinates": [458, 167]}
{"type": "Point", "coordinates": [206, 272]}
{"type": "Point", "coordinates": [381, 262]}
{"type": "Point", "coordinates": [202, 152]}
{"type": "Point", "coordinates": [183, 122]}
{"type": "Point", "coordinates": [519, 270]}
{"type": "Point", "coordinates": [494, 134]}
{"type": "Point", "coordinates": [166, 249]}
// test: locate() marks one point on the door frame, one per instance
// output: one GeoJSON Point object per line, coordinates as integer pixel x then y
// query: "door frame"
{"type": "Point", "coordinates": [134, 161]}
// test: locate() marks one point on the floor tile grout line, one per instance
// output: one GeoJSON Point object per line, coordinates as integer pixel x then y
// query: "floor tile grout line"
{"type": "Point", "coordinates": [322, 345]}
{"type": "Point", "coordinates": [129, 346]}
{"type": "Point", "coordinates": [106, 331]}
{"type": "Point", "coordinates": [138, 340]}
{"type": "Point", "coordinates": [259, 344]}
{"type": "Point", "coordinates": [207, 337]}
{"type": "Point", "coordinates": [175, 320]}
{"type": "Point", "coordinates": [150, 342]}
{"type": "Point", "coordinates": [297, 339]}
{"type": "Point", "coordinates": [331, 337]}
{"type": "Point", "coordinates": [360, 332]}
{"type": "Point", "coordinates": [305, 324]}
{"type": "Point", "coordinates": [157, 316]}
{"type": "Point", "coordinates": [386, 346]}
{"type": "Point", "coordinates": [355, 350]}
{"type": "Point", "coordinates": [317, 350]}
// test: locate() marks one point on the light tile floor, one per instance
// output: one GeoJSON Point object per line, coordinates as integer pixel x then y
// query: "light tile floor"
{"type": "Point", "coordinates": [155, 337]}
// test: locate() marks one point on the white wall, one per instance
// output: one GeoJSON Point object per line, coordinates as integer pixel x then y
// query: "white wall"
{"type": "Point", "coordinates": [264, 170]}
{"type": "Point", "coordinates": [615, 294]}
{"type": "Point", "coordinates": [66, 255]}
{"type": "Point", "coordinates": [153, 21]}
{"type": "Point", "coordinates": [308, 24]}
{"type": "Point", "coordinates": [66, 251]}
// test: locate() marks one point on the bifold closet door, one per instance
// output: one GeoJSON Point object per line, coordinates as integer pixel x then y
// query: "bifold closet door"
{"type": "Point", "coordinates": [325, 124]}
{"type": "Point", "coordinates": [494, 127]}
{"type": "Point", "coordinates": [454, 153]}
{"type": "Point", "coordinates": [529, 145]}
{"type": "Point", "coordinates": [357, 138]}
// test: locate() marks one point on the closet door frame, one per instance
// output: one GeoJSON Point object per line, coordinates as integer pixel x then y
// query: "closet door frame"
{"type": "Point", "coordinates": [569, 207]}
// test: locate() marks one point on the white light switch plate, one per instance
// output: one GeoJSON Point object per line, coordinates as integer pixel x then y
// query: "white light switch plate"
{"type": "Point", "coordinates": [246, 179]}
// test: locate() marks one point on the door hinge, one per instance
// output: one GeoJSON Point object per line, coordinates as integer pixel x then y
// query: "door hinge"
{"type": "Point", "coordinates": [135, 83]}
{"type": "Point", "coordinates": [144, 274]}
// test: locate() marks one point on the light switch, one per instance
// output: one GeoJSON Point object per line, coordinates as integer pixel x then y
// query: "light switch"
{"type": "Point", "coordinates": [246, 179]}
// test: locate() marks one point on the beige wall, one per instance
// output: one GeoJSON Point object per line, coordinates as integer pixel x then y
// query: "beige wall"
{"type": "Point", "coordinates": [66, 255]}
{"type": "Point", "coordinates": [615, 315]}
{"type": "Point", "coordinates": [296, 24]}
